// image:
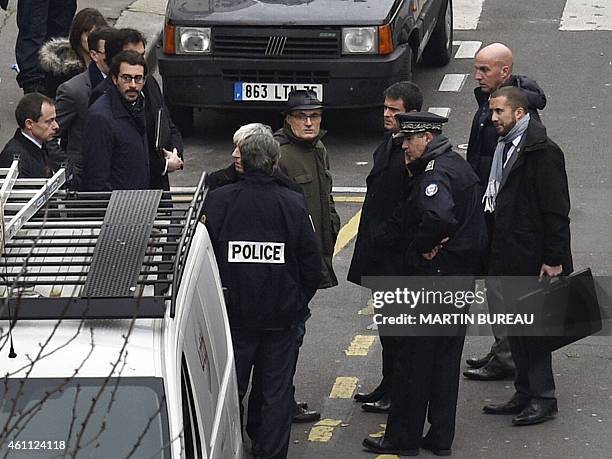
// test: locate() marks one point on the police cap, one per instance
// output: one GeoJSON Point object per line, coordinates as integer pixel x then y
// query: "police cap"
{"type": "Point", "coordinates": [301, 99]}
{"type": "Point", "coordinates": [416, 122]}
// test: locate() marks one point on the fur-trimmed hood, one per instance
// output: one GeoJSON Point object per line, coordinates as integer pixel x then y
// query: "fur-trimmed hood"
{"type": "Point", "coordinates": [57, 57]}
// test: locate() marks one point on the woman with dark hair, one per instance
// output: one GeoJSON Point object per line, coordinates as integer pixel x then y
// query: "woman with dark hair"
{"type": "Point", "coordinates": [83, 23]}
{"type": "Point", "coordinates": [62, 58]}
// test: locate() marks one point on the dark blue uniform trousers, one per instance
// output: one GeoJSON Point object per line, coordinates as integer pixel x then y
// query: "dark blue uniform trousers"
{"type": "Point", "coordinates": [425, 384]}
{"type": "Point", "coordinates": [270, 355]}
{"type": "Point", "coordinates": [39, 21]}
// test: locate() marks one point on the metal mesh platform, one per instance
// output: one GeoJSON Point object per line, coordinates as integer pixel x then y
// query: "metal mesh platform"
{"type": "Point", "coordinates": [83, 254]}
{"type": "Point", "coordinates": [120, 250]}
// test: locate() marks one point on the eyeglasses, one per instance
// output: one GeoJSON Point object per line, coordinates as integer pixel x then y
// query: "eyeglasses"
{"type": "Point", "coordinates": [138, 79]}
{"type": "Point", "coordinates": [303, 116]}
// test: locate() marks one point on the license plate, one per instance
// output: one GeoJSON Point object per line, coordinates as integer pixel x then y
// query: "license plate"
{"type": "Point", "coordinates": [271, 92]}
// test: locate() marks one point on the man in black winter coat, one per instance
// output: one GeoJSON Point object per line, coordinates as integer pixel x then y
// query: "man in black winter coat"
{"type": "Point", "coordinates": [115, 152]}
{"type": "Point", "coordinates": [444, 235]}
{"type": "Point", "coordinates": [493, 70]}
{"type": "Point", "coordinates": [270, 266]}
{"type": "Point", "coordinates": [164, 140]}
{"type": "Point", "coordinates": [385, 192]}
{"type": "Point", "coordinates": [528, 194]}
{"type": "Point", "coordinates": [35, 116]}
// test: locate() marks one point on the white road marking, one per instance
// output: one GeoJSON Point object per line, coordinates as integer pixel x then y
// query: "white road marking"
{"type": "Point", "coordinates": [453, 82]}
{"type": "Point", "coordinates": [466, 14]}
{"type": "Point", "coordinates": [441, 111]}
{"type": "Point", "coordinates": [349, 189]}
{"type": "Point", "coordinates": [336, 189]}
{"type": "Point", "coordinates": [587, 15]}
{"type": "Point", "coordinates": [468, 49]}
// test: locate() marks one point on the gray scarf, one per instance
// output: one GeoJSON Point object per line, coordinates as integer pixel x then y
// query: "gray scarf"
{"type": "Point", "coordinates": [497, 166]}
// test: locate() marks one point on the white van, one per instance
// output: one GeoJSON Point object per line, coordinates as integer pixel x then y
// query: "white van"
{"type": "Point", "coordinates": [114, 339]}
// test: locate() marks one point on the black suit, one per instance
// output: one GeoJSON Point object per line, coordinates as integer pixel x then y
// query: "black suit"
{"type": "Point", "coordinates": [34, 162]}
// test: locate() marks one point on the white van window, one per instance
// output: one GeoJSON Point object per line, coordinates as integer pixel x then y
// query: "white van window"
{"type": "Point", "coordinates": [44, 417]}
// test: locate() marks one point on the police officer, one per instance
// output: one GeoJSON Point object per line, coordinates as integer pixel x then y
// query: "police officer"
{"type": "Point", "coordinates": [270, 263]}
{"type": "Point", "coordinates": [445, 235]}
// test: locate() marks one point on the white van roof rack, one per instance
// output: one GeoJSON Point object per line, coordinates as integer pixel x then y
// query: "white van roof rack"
{"type": "Point", "coordinates": [111, 255]}
{"type": "Point", "coordinates": [38, 190]}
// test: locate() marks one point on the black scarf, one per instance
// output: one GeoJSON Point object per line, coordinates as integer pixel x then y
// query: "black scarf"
{"type": "Point", "coordinates": [136, 109]}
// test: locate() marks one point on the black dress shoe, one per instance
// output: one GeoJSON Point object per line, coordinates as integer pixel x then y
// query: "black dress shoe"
{"type": "Point", "coordinates": [539, 410]}
{"type": "Point", "coordinates": [381, 406]}
{"type": "Point", "coordinates": [517, 404]}
{"type": "Point", "coordinates": [488, 373]}
{"type": "Point", "coordinates": [370, 397]}
{"type": "Point", "coordinates": [382, 446]}
{"type": "Point", "coordinates": [479, 363]}
{"type": "Point", "coordinates": [428, 445]}
{"type": "Point", "coordinates": [303, 414]}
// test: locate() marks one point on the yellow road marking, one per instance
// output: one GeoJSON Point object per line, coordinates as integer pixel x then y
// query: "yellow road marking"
{"type": "Point", "coordinates": [323, 430]}
{"type": "Point", "coordinates": [344, 387]}
{"type": "Point", "coordinates": [356, 199]}
{"type": "Point", "coordinates": [360, 346]}
{"type": "Point", "coordinates": [368, 310]}
{"type": "Point", "coordinates": [347, 233]}
{"type": "Point", "coordinates": [380, 434]}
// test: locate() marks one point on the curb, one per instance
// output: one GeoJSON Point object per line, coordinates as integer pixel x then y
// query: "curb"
{"type": "Point", "coordinates": [147, 16]}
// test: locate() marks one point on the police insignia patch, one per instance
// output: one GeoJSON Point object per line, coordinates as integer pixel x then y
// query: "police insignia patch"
{"type": "Point", "coordinates": [430, 165]}
{"type": "Point", "coordinates": [431, 190]}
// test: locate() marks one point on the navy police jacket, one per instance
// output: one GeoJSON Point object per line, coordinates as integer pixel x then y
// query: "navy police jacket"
{"type": "Point", "coordinates": [268, 255]}
{"type": "Point", "coordinates": [444, 201]}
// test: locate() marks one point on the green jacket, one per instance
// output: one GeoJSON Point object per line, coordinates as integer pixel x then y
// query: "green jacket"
{"type": "Point", "coordinates": [307, 164]}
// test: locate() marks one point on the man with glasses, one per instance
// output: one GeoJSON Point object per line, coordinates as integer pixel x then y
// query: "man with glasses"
{"type": "Point", "coordinates": [164, 140]}
{"type": "Point", "coordinates": [72, 102]}
{"type": "Point", "coordinates": [115, 149]}
{"type": "Point", "coordinates": [304, 159]}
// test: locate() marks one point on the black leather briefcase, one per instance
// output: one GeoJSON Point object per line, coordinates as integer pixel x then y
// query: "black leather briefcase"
{"type": "Point", "coordinates": [568, 310]}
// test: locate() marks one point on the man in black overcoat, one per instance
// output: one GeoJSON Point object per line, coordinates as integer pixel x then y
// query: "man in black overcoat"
{"type": "Point", "coordinates": [528, 195]}
{"type": "Point", "coordinates": [385, 189]}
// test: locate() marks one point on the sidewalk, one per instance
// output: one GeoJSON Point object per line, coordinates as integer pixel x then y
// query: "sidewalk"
{"type": "Point", "coordinates": [144, 15]}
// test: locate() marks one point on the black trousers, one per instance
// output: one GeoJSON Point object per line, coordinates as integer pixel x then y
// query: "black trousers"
{"type": "Point", "coordinates": [270, 355]}
{"type": "Point", "coordinates": [425, 384]}
{"type": "Point", "coordinates": [500, 350]}
{"type": "Point", "coordinates": [534, 376]}
{"type": "Point", "coordinates": [39, 21]}
{"type": "Point", "coordinates": [387, 343]}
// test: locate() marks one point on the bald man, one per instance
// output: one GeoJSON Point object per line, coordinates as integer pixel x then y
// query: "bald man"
{"type": "Point", "coordinates": [492, 70]}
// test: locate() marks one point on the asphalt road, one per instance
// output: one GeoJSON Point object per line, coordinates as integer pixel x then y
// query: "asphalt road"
{"type": "Point", "coordinates": [575, 70]}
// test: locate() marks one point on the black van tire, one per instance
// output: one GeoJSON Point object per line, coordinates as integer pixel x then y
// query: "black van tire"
{"type": "Point", "coordinates": [439, 50]}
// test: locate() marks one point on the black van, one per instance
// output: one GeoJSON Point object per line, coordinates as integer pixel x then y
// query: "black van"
{"type": "Point", "coordinates": [251, 54]}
